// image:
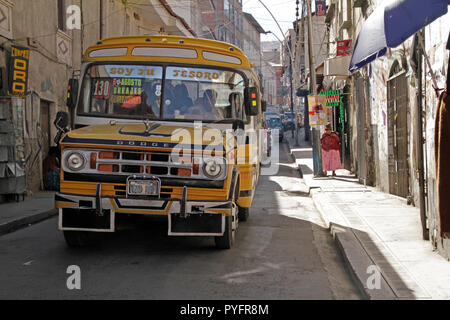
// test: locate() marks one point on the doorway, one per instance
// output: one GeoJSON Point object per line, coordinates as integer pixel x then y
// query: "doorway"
{"type": "Point", "coordinates": [398, 135]}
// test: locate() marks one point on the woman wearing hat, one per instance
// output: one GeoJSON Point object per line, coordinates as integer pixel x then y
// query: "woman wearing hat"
{"type": "Point", "coordinates": [331, 159]}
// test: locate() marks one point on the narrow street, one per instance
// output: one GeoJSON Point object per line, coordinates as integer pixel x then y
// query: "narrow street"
{"type": "Point", "coordinates": [116, 116]}
{"type": "Point", "coordinates": [282, 252]}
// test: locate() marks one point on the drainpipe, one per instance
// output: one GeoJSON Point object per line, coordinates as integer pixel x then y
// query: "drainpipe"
{"type": "Point", "coordinates": [419, 146]}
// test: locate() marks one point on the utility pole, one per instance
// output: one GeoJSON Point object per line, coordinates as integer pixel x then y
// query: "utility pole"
{"type": "Point", "coordinates": [292, 88]}
{"type": "Point", "coordinates": [216, 19]}
{"type": "Point", "coordinates": [317, 156]}
{"type": "Point", "coordinates": [305, 94]}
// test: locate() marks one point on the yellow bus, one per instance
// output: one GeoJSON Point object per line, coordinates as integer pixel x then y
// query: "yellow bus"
{"type": "Point", "coordinates": [161, 125]}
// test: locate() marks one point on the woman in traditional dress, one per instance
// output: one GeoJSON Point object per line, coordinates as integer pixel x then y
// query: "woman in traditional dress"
{"type": "Point", "coordinates": [331, 159]}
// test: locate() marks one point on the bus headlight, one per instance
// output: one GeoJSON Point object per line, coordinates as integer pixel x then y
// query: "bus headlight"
{"type": "Point", "coordinates": [212, 168]}
{"type": "Point", "coordinates": [75, 161]}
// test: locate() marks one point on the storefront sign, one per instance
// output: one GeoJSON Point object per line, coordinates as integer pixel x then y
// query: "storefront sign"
{"type": "Point", "coordinates": [333, 98]}
{"type": "Point", "coordinates": [319, 113]}
{"type": "Point", "coordinates": [18, 71]}
{"type": "Point", "coordinates": [344, 47]}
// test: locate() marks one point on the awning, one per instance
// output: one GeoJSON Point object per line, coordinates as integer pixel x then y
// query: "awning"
{"type": "Point", "coordinates": [392, 23]}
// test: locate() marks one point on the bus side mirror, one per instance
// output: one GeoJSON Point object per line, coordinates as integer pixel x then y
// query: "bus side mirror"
{"type": "Point", "coordinates": [263, 106]}
{"type": "Point", "coordinates": [72, 92]}
{"type": "Point", "coordinates": [61, 120]}
{"type": "Point", "coordinates": [252, 101]}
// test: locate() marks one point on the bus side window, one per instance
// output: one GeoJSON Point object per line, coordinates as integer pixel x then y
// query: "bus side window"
{"type": "Point", "coordinates": [229, 110]}
{"type": "Point", "coordinates": [236, 109]}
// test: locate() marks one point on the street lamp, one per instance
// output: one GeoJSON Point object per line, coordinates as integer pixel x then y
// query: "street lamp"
{"type": "Point", "coordinates": [291, 81]}
{"type": "Point", "coordinates": [291, 64]}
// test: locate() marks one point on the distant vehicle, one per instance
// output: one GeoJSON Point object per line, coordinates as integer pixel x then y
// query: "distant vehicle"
{"type": "Point", "coordinates": [270, 114]}
{"type": "Point", "coordinates": [274, 123]}
{"type": "Point", "coordinates": [288, 121]}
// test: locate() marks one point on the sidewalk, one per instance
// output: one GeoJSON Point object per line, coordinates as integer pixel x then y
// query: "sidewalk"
{"type": "Point", "coordinates": [16, 215]}
{"type": "Point", "coordinates": [373, 228]}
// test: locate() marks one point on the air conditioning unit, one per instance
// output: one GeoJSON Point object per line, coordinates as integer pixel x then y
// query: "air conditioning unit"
{"type": "Point", "coordinates": [337, 67]}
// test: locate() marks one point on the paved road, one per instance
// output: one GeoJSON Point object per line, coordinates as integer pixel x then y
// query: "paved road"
{"type": "Point", "coordinates": [281, 252]}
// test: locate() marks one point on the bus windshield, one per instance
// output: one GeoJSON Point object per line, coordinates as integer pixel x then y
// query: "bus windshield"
{"type": "Point", "coordinates": [150, 92]}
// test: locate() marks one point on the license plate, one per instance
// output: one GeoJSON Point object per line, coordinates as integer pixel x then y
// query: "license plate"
{"type": "Point", "coordinates": [143, 187]}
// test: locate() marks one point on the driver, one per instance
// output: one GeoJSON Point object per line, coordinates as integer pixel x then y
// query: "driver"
{"type": "Point", "coordinates": [204, 108]}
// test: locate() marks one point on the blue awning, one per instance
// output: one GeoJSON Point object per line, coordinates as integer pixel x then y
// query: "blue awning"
{"type": "Point", "coordinates": [392, 23]}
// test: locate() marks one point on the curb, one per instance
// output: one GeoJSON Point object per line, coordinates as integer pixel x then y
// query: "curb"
{"type": "Point", "coordinates": [293, 158]}
{"type": "Point", "coordinates": [357, 261]}
{"type": "Point", "coordinates": [22, 222]}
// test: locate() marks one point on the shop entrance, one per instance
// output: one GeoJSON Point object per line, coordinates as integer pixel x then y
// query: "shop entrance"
{"type": "Point", "coordinates": [398, 136]}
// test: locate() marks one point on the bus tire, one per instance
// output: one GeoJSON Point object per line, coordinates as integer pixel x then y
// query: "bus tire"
{"type": "Point", "coordinates": [243, 214]}
{"type": "Point", "coordinates": [226, 241]}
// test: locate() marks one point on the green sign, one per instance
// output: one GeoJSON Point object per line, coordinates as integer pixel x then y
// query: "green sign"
{"type": "Point", "coordinates": [334, 99]}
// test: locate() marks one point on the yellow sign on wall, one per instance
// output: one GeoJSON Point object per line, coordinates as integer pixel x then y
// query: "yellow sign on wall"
{"type": "Point", "coordinates": [18, 71]}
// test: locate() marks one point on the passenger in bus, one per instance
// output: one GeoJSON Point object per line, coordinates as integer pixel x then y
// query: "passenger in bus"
{"type": "Point", "coordinates": [144, 108]}
{"type": "Point", "coordinates": [182, 101]}
{"type": "Point", "coordinates": [195, 112]}
{"type": "Point", "coordinates": [153, 99]}
{"type": "Point", "coordinates": [169, 99]}
{"type": "Point", "coordinates": [205, 108]}
{"type": "Point", "coordinates": [140, 105]}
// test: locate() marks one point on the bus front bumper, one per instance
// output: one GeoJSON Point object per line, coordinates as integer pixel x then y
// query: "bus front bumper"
{"type": "Point", "coordinates": [185, 218]}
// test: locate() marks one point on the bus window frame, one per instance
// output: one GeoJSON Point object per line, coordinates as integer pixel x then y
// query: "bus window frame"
{"type": "Point", "coordinates": [164, 65]}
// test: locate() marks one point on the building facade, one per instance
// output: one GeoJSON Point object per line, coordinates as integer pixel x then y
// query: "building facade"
{"type": "Point", "coordinates": [272, 71]}
{"type": "Point", "coordinates": [389, 110]}
{"type": "Point", "coordinates": [226, 21]}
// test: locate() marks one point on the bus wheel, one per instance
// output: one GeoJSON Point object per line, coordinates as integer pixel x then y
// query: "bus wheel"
{"type": "Point", "coordinates": [244, 213]}
{"type": "Point", "coordinates": [231, 224]}
{"type": "Point", "coordinates": [78, 238]}
{"type": "Point", "coordinates": [227, 240]}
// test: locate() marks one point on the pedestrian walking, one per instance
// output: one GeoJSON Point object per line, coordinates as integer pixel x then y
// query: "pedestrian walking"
{"type": "Point", "coordinates": [331, 159]}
